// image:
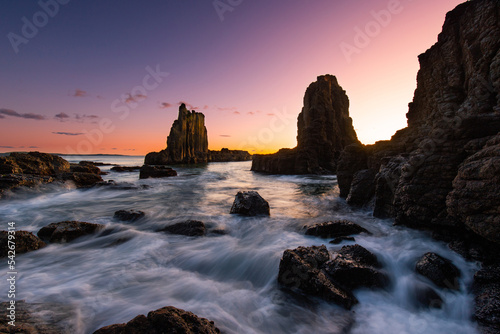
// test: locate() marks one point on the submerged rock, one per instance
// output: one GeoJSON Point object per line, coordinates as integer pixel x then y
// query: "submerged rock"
{"type": "Point", "coordinates": [250, 203]}
{"type": "Point", "coordinates": [439, 270]}
{"type": "Point", "coordinates": [335, 229]}
{"type": "Point", "coordinates": [302, 269]}
{"type": "Point", "coordinates": [165, 320]}
{"type": "Point", "coordinates": [128, 215]}
{"type": "Point", "coordinates": [121, 169]}
{"type": "Point", "coordinates": [24, 242]}
{"type": "Point", "coordinates": [148, 171]}
{"type": "Point", "coordinates": [486, 287]}
{"type": "Point", "coordinates": [425, 296]}
{"type": "Point", "coordinates": [67, 231]}
{"type": "Point", "coordinates": [354, 266]}
{"type": "Point", "coordinates": [190, 228]}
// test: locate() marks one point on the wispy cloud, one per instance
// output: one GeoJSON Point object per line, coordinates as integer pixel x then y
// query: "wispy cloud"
{"type": "Point", "coordinates": [84, 117]}
{"type": "Point", "coordinates": [33, 147]}
{"type": "Point", "coordinates": [61, 116]}
{"type": "Point", "coordinates": [205, 107]}
{"type": "Point", "coordinates": [2, 116]}
{"type": "Point", "coordinates": [7, 147]}
{"type": "Point", "coordinates": [12, 113]}
{"type": "Point", "coordinates": [68, 133]}
{"type": "Point", "coordinates": [270, 114]}
{"type": "Point", "coordinates": [165, 105]}
{"type": "Point", "coordinates": [224, 136]}
{"type": "Point", "coordinates": [236, 113]}
{"type": "Point", "coordinates": [250, 113]}
{"type": "Point", "coordinates": [226, 108]}
{"type": "Point", "coordinates": [129, 98]}
{"type": "Point", "coordinates": [79, 93]}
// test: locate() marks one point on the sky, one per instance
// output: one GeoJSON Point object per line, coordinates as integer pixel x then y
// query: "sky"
{"type": "Point", "coordinates": [107, 76]}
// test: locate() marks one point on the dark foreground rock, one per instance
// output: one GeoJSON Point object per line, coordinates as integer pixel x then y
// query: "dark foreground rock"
{"type": "Point", "coordinates": [148, 171]}
{"type": "Point", "coordinates": [486, 287]}
{"type": "Point", "coordinates": [24, 242]}
{"type": "Point", "coordinates": [335, 229]}
{"type": "Point", "coordinates": [425, 297]}
{"type": "Point", "coordinates": [39, 318]}
{"type": "Point", "coordinates": [128, 215]}
{"type": "Point", "coordinates": [250, 203]}
{"type": "Point", "coordinates": [324, 128]}
{"type": "Point", "coordinates": [192, 228]}
{"type": "Point", "coordinates": [67, 231]}
{"type": "Point", "coordinates": [439, 270]}
{"type": "Point", "coordinates": [225, 155]}
{"type": "Point", "coordinates": [312, 270]}
{"type": "Point", "coordinates": [165, 320]}
{"type": "Point", "coordinates": [303, 269]}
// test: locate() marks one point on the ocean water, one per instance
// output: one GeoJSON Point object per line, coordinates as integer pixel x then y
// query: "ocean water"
{"type": "Point", "coordinates": [130, 269]}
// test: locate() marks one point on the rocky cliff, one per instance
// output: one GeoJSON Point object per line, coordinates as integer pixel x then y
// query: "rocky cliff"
{"type": "Point", "coordinates": [324, 129]}
{"type": "Point", "coordinates": [187, 143]}
{"type": "Point", "coordinates": [442, 170]}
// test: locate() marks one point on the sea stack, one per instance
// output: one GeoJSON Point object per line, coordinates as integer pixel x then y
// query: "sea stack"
{"type": "Point", "coordinates": [187, 143]}
{"type": "Point", "coordinates": [324, 129]}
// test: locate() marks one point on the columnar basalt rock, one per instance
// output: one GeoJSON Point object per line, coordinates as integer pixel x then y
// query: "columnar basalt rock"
{"type": "Point", "coordinates": [187, 143]}
{"type": "Point", "coordinates": [324, 129]}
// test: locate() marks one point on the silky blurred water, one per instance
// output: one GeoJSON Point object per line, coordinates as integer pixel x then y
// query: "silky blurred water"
{"type": "Point", "coordinates": [130, 269]}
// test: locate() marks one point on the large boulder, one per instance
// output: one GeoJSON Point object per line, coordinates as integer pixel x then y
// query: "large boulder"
{"type": "Point", "coordinates": [439, 270]}
{"type": "Point", "coordinates": [190, 228]}
{"type": "Point", "coordinates": [324, 128]}
{"type": "Point", "coordinates": [24, 242]}
{"type": "Point", "coordinates": [148, 171]}
{"type": "Point", "coordinates": [67, 231]}
{"type": "Point", "coordinates": [165, 320]}
{"type": "Point", "coordinates": [250, 203]}
{"type": "Point", "coordinates": [303, 269]}
{"type": "Point", "coordinates": [82, 180]}
{"type": "Point", "coordinates": [362, 187]}
{"type": "Point", "coordinates": [335, 229]}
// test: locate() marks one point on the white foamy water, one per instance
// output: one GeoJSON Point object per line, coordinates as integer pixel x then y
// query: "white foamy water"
{"type": "Point", "coordinates": [230, 279]}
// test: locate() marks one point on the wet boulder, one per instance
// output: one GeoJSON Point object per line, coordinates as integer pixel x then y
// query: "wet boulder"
{"type": "Point", "coordinates": [165, 320]}
{"type": "Point", "coordinates": [82, 179]}
{"type": "Point", "coordinates": [486, 288]}
{"type": "Point", "coordinates": [250, 203]}
{"type": "Point", "coordinates": [335, 229]}
{"type": "Point", "coordinates": [128, 215]}
{"type": "Point", "coordinates": [67, 231]}
{"type": "Point", "coordinates": [439, 270]}
{"type": "Point", "coordinates": [303, 269]}
{"type": "Point", "coordinates": [148, 171]}
{"type": "Point", "coordinates": [191, 228]}
{"type": "Point", "coordinates": [354, 266]}
{"type": "Point", "coordinates": [24, 242]}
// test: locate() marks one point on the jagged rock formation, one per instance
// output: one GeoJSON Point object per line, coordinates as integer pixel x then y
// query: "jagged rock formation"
{"type": "Point", "coordinates": [168, 319]}
{"type": "Point", "coordinates": [324, 129]}
{"type": "Point", "coordinates": [442, 170]}
{"type": "Point", "coordinates": [187, 143]}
